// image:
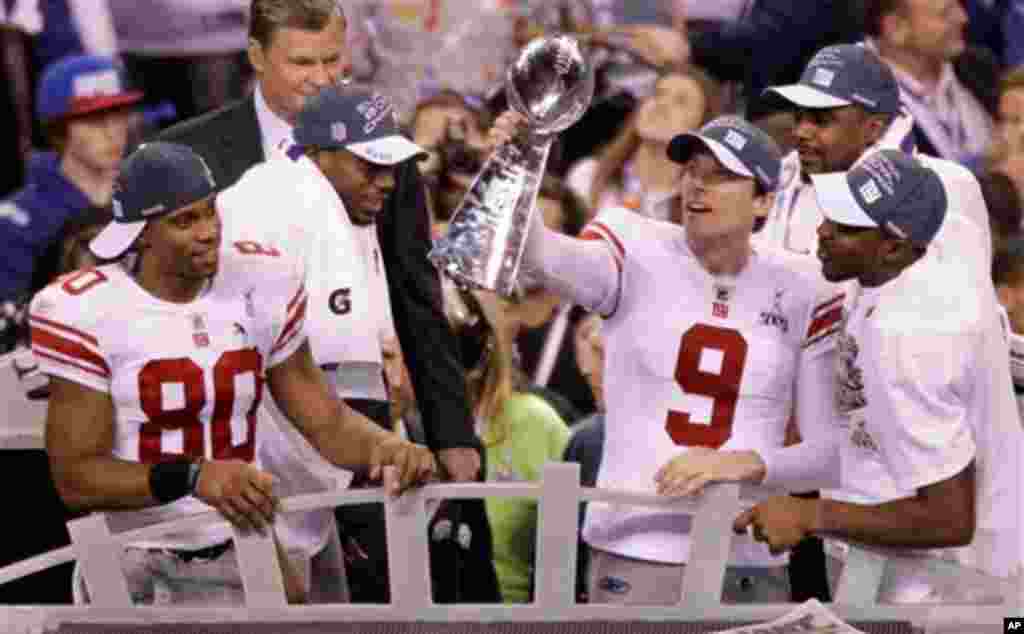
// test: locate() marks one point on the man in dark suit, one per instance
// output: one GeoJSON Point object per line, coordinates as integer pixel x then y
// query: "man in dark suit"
{"type": "Point", "coordinates": [297, 49]}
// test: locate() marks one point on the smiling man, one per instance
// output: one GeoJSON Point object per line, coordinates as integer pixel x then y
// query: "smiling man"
{"type": "Point", "coordinates": [720, 373]}
{"type": "Point", "coordinates": [847, 105]}
{"type": "Point", "coordinates": [155, 392]}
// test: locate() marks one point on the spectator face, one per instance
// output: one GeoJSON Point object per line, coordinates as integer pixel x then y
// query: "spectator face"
{"type": "Point", "coordinates": [832, 139]}
{"type": "Point", "coordinates": [933, 29]}
{"type": "Point", "coordinates": [298, 64]}
{"type": "Point", "coordinates": [185, 243]}
{"type": "Point", "coordinates": [436, 127]}
{"type": "Point", "coordinates": [1011, 120]}
{"type": "Point", "coordinates": [716, 203]}
{"type": "Point", "coordinates": [98, 141]}
{"type": "Point", "coordinates": [677, 105]}
{"type": "Point", "coordinates": [363, 186]}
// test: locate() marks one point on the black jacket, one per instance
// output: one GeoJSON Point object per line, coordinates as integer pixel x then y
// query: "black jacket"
{"type": "Point", "coordinates": [230, 141]}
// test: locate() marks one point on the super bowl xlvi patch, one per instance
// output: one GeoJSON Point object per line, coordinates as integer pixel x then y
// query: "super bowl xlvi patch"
{"type": "Point", "coordinates": [774, 317]}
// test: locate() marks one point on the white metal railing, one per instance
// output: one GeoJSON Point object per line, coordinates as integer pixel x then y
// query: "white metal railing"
{"type": "Point", "coordinates": [97, 551]}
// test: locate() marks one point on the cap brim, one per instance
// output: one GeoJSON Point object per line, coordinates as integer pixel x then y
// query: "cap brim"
{"type": "Point", "coordinates": [389, 150]}
{"type": "Point", "coordinates": [806, 96]}
{"type": "Point", "coordinates": [96, 104]}
{"type": "Point", "coordinates": [116, 238]}
{"type": "Point", "coordinates": [683, 146]}
{"type": "Point", "coordinates": [836, 201]}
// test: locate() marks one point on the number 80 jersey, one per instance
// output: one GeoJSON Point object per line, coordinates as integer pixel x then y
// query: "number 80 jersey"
{"type": "Point", "coordinates": [185, 379]}
{"type": "Point", "coordinates": [692, 359]}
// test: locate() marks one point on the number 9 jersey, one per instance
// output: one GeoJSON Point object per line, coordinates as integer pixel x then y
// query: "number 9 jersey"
{"type": "Point", "coordinates": [694, 359]}
{"type": "Point", "coordinates": [185, 379]}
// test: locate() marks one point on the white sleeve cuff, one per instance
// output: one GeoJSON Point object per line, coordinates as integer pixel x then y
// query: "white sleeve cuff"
{"type": "Point", "coordinates": [802, 467]}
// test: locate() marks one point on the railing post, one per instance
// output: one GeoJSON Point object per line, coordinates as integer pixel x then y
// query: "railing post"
{"type": "Point", "coordinates": [557, 518]}
{"type": "Point", "coordinates": [260, 570]}
{"type": "Point", "coordinates": [710, 532]}
{"type": "Point", "coordinates": [861, 577]}
{"type": "Point", "coordinates": [406, 524]}
{"type": "Point", "coordinates": [99, 556]}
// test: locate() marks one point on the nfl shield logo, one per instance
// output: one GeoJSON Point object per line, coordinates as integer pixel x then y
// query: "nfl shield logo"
{"type": "Point", "coordinates": [339, 132]}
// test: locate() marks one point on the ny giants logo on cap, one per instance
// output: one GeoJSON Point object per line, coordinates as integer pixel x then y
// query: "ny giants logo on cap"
{"type": "Point", "coordinates": [374, 110]}
{"type": "Point", "coordinates": [98, 84]}
{"type": "Point", "coordinates": [883, 171]}
{"type": "Point", "coordinates": [823, 77]}
{"type": "Point", "coordinates": [736, 140]}
{"type": "Point", "coordinates": [870, 193]}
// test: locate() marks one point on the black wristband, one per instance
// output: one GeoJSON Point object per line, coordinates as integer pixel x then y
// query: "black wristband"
{"type": "Point", "coordinates": [171, 480]}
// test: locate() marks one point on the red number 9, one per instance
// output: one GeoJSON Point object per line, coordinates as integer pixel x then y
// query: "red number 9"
{"type": "Point", "coordinates": [723, 387]}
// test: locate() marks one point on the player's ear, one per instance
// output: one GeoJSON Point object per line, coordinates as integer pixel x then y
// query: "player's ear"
{"type": "Point", "coordinates": [257, 56]}
{"type": "Point", "coordinates": [763, 202]}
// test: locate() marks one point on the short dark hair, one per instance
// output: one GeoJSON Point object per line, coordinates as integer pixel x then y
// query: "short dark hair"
{"type": "Point", "coordinates": [1008, 261]}
{"type": "Point", "coordinates": [875, 11]}
{"type": "Point", "coordinates": [266, 17]}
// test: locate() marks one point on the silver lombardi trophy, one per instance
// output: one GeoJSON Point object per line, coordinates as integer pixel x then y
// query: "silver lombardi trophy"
{"type": "Point", "coordinates": [551, 83]}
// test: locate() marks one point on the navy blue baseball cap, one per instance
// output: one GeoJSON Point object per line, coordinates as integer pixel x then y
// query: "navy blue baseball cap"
{"type": "Point", "coordinates": [154, 180]}
{"type": "Point", "coordinates": [843, 75]}
{"type": "Point", "coordinates": [739, 145]}
{"type": "Point", "coordinates": [887, 189]}
{"type": "Point", "coordinates": [79, 85]}
{"type": "Point", "coordinates": [359, 121]}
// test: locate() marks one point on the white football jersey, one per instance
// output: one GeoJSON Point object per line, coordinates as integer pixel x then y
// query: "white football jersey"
{"type": "Point", "coordinates": [185, 379]}
{"type": "Point", "coordinates": [691, 360]}
{"type": "Point", "coordinates": [924, 387]}
{"type": "Point", "coordinates": [288, 204]}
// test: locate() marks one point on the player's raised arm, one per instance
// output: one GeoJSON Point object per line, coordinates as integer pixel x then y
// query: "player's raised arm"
{"type": "Point", "coordinates": [338, 432]}
{"type": "Point", "coordinates": [585, 272]}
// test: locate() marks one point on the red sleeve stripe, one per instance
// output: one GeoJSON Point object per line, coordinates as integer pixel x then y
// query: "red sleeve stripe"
{"type": "Point", "coordinates": [68, 362]}
{"type": "Point", "coordinates": [609, 235]}
{"type": "Point", "coordinates": [826, 307]}
{"type": "Point", "coordinates": [299, 294]}
{"type": "Point", "coordinates": [291, 326]}
{"type": "Point", "coordinates": [596, 233]}
{"type": "Point", "coordinates": [824, 321]}
{"type": "Point", "coordinates": [59, 327]}
{"type": "Point", "coordinates": [824, 334]}
{"type": "Point", "coordinates": [68, 348]}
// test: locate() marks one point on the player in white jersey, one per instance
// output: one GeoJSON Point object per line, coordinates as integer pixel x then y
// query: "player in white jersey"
{"type": "Point", "coordinates": [847, 105]}
{"type": "Point", "coordinates": [709, 344]}
{"type": "Point", "coordinates": [158, 364]}
{"type": "Point", "coordinates": [929, 443]}
{"type": "Point", "coordinates": [321, 202]}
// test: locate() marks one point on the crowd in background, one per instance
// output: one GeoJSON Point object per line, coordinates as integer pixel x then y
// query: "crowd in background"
{"type": "Point", "coordinates": [533, 362]}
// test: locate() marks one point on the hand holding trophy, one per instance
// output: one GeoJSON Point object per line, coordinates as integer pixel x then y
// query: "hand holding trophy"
{"type": "Point", "coordinates": [551, 84]}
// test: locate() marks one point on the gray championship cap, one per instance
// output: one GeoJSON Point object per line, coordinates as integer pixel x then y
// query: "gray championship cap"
{"type": "Point", "coordinates": [843, 75]}
{"type": "Point", "coordinates": [888, 189]}
{"type": "Point", "coordinates": [743, 148]}
{"type": "Point", "coordinates": [359, 121]}
{"type": "Point", "coordinates": [156, 179]}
